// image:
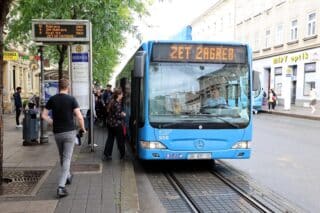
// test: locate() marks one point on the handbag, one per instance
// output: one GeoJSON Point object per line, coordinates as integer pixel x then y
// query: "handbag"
{"type": "Point", "coordinates": [124, 129]}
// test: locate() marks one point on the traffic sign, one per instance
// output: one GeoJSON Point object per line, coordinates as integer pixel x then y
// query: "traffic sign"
{"type": "Point", "coordinates": [51, 30]}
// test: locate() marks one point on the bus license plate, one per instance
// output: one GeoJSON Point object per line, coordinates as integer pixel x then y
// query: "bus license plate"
{"type": "Point", "coordinates": [193, 156]}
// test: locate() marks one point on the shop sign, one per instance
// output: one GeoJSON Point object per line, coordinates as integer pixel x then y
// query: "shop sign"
{"type": "Point", "coordinates": [292, 59]}
{"type": "Point", "coordinates": [10, 56]}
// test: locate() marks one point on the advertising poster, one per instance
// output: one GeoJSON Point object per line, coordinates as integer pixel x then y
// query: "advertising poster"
{"type": "Point", "coordinates": [50, 89]}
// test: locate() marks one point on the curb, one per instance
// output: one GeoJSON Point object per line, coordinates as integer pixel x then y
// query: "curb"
{"type": "Point", "coordinates": [292, 115]}
{"type": "Point", "coordinates": [129, 191]}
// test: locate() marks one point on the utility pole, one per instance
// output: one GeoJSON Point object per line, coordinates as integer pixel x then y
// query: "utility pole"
{"type": "Point", "coordinates": [43, 127]}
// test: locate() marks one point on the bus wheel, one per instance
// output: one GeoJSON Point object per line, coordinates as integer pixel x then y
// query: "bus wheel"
{"type": "Point", "coordinates": [212, 164]}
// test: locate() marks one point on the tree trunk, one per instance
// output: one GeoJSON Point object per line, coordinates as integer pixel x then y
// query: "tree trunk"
{"type": "Point", "coordinates": [4, 10]}
{"type": "Point", "coordinates": [62, 50]}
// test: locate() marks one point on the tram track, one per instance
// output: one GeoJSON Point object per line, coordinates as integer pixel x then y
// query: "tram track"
{"type": "Point", "coordinates": [195, 207]}
{"type": "Point", "coordinates": [192, 205]}
{"type": "Point", "coordinates": [254, 202]}
{"type": "Point", "coordinates": [197, 188]}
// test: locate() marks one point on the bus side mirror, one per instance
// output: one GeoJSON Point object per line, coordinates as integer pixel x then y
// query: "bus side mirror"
{"type": "Point", "coordinates": [139, 64]}
{"type": "Point", "coordinates": [255, 80]}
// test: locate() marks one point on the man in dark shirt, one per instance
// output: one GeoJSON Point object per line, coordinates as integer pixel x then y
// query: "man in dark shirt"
{"type": "Point", "coordinates": [64, 107]}
{"type": "Point", "coordinates": [18, 106]}
{"type": "Point", "coordinates": [106, 96]}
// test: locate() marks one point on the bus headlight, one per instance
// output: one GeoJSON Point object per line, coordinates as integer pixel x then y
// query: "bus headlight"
{"type": "Point", "coordinates": [242, 145]}
{"type": "Point", "coordinates": [152, 145]}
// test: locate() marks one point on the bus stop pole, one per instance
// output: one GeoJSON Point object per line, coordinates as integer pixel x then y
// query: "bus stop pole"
{"type": "Point", "coordinates": [43, 132]}
{"type": "Point", "coordinates": [90, 90]}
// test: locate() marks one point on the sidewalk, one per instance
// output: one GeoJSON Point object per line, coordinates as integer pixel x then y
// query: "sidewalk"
{"type": "Point", "coordinates": [295, 111]}
{"type": "Point", "coordinates": [97, 186]}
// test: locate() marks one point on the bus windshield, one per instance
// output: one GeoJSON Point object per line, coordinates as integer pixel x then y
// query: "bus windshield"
{"type": "Point", "coordinates": [187, 95]}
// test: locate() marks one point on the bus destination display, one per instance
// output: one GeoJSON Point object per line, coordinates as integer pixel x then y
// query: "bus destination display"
{"type": "Point", "coordinates": [201, 53]}
{"type": "Point", "coordinates": [53, 32]}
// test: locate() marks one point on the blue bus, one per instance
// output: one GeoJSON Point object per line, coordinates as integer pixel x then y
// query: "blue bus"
{"type": "Point", "coordinates": [258, 93]}
{"type": "Point", "coordinates": [167, 85]}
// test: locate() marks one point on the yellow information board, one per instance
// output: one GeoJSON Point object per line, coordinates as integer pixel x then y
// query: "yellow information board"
{"type": "Point", "coordinates": [10, 56]}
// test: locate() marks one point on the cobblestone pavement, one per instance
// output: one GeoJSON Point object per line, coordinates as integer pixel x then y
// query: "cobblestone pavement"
{"type": "Point", "coordinates": [111, 188]}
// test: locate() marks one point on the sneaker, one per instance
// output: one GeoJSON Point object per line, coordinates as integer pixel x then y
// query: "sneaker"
{"type": "Point", "coordinates": [95, 145]}
{"type": "Point", "coordinates": [19, 126]}
{"type": "Point", "coordinates": [62, 192]}
{"type": "Point", "coordinates": [69, 180]}
{"type": "Point", "coordinates": [105, 158]}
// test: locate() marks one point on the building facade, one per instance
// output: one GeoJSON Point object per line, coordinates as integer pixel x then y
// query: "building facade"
{"type": "Point", "coordinates": [283, 35]}
{"type": "Point", "coordinates": [19, 72]}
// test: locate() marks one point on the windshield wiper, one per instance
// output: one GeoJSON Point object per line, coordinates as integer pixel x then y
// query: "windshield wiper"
{"type": "Point", "coordinates": [221, 117]}
{"type": "Point", "coordinates": [218, 115]}
{"type": "Point", "coordinates": [166, 125]}
{"type": "Point", "coordinates": [228, 122]}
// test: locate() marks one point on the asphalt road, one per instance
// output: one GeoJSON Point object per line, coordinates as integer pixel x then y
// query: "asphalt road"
{"type": "Point", "coordinates": [285, 158]}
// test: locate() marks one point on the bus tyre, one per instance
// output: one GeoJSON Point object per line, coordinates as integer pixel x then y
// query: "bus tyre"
{"type": "Point", "coordinates": [212, 164]}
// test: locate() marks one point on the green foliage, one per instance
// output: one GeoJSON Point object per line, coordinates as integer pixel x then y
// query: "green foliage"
{"type": "Point", "coordinates": [109, 18]}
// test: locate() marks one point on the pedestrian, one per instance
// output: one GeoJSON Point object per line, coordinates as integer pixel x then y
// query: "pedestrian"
{"type": "Point", "coordinates": [272, 100]}
{"type": "Point", "coordinates": [313, 100]}
{"type": "Point", "coordinates": [106, 96]}
{"type": "Point", "coordinates": [99, 107]}
{"type": "Point", "coordinates": [64, 107]}
{"type": "Point", "coordinates": [115, 125]}
{"type": "Point", "coordinates": [18, 106]}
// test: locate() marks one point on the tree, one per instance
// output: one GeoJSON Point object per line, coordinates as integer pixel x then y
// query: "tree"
{"type": "Point", "coordinates": [109, 18]}
{"type": "Point", "coordinates": [4, 10]}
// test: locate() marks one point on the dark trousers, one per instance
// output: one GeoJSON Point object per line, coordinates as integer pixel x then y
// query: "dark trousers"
{"type": "Point", "coordinates": [115, 132]}
{"type": "Point", "coordinates": [271, 105]}
{"type": "Point", "coordinates": [89, 136]}
{"type": "Point", "coordinates": [88, 127]}
{"type": "Point", "coordinates": [18, 112]}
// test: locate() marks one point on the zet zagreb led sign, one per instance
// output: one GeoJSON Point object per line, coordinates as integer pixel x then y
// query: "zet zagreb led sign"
{"type": "Point", "coordinates": [201, 53]}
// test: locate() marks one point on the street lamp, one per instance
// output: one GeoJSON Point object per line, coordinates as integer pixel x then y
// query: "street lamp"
{"type": "Point", "coordinates": [43, 127]}
{"type": "Point", "coordinates": [14, 77]}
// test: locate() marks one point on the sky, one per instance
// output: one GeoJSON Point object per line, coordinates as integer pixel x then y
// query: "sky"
{"type": "Point", "coordinates": [167, 18]}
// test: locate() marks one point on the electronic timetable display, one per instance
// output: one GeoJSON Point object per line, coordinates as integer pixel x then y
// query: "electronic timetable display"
{"type": "Point", "coordinates": [53, 31]}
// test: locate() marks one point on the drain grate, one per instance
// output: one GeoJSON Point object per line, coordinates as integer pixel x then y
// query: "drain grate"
{"type": "Point", "coordinates": [86, 168]}
{"type": "Point", "coordinates": [21, 182]}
